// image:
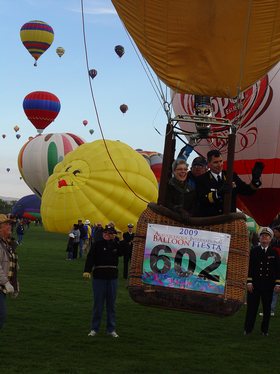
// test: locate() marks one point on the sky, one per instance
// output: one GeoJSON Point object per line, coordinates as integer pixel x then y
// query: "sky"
{"type": "Point", "coordinates": [119, 81]}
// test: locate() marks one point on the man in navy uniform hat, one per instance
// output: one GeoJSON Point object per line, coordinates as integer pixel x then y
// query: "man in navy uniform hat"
{"type": "Point", "coordinates": [263, 279]}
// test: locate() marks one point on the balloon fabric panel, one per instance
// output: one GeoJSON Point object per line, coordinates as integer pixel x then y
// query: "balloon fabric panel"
{"type": "Point", "coordinates": [212, 56]}
{"type": "Point", "coordinates": [86, 185]}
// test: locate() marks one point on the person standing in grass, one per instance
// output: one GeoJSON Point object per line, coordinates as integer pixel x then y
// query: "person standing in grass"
{"type": "Point", "coordinates": [8, 266]}
{"type": "Point", "coordinates": [128, 237]}
{"type": "Point", "coordinates": [263, 279]}
{"type": "Point", "coordinates": [20, 231]}
{"type": "Point", "coordinates": [102, 265]}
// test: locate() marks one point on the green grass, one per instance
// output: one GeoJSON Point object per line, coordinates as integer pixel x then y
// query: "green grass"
{"type": "Point", "coordinates": [47, 327]}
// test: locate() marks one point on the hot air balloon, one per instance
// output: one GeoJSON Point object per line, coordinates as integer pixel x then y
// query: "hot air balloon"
{"type": "Point", "coordinates": [27, 207]}
{"type": "Point", "coordinates": [37, 37]}
{"type": "Point", "coordinates": [258, 125]}
{"type": "Point", "coordinates": [92, 73]}
{"type": "Point", "coordinates": [86, 184]}
{"type": "Point", "coordinates": [41, 108]}
{"type": "Point", "coordinates": [38, 157]}
{"type": "Point", "coordinates": [18, 136]}
{"type": "Point", "coordinates": [91, 131]}
{"type": "Point", "coordinates": [202, 57]}
{"type": "Point", "coordinates": [8, 169]}
{"type": "Point", "coordinates": [154, 160]}
{"type": "Point", "coordinates": [60, 51]}
{"type": "Point", "coordinates": [16, 128]}
{"type": "Point", "coordinates": [85, 122]}
{"type": "Point", "coordinates": [208, 59]}
{"type": "Point", "coordinates": [123, 108]}
{"type": "Point", "coordinates": [3, 136]}
{"type": "Point", "coordinates": [119, 49]}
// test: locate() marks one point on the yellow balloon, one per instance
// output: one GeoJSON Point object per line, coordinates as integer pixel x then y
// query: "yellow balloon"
{"type": "Point", "coordinates": [86, 185]}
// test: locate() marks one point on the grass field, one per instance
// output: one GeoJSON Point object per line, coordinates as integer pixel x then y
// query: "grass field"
{"type": "Point", "coordinates": [47, 327]}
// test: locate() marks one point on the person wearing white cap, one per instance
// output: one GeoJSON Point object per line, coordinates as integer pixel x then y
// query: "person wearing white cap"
{"type": "Point", "coordinates": [263, 279]}
{"type": "Point", "coordinates": [8, 266]}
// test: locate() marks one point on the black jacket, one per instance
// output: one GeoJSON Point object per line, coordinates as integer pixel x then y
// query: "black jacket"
{"type": "Point", "coordinates": [102, 259]}
{"type": "Point", "coordinates": [264, 268]}
{"type": "Point", "coordinates": [180, 196]}
{"type": "Point", "coordinates": [208, 202]}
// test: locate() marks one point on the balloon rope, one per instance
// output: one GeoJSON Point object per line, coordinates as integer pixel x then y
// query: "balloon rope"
{"type": "Point", "coordinates": [146, 69]}
{"type": "Point", "coordinates": [95, 107]}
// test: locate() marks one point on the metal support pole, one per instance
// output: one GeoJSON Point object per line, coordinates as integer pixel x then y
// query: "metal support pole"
{"type": "Point", "coordinates": [168, 157]}
{"type": "Point", "coordinates": [230, 162]}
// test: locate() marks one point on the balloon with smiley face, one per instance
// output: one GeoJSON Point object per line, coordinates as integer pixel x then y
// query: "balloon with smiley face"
{"type": "Point", "coordinates": [101, 181]}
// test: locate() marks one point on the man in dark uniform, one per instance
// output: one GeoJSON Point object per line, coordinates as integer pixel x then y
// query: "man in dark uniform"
{"type": "Point", "coordinates": [102, 262]}
{"type": "Point", "coordinates": [211, 186]}
{"type": "Point", "coordinates": [263, 278]}
{"type": "Point", "coordinates": [127, 248]}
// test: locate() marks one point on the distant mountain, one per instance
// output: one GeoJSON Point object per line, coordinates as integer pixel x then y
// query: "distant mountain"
{"type": "Point", "coordinates": [5, 198]}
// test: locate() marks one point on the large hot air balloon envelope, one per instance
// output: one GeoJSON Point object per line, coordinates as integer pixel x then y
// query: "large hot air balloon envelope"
{"type": "Point", "coordinates": [41, 108]}
{"type": "Point", "coordinates": [257, 139]}
{"type": "Point", "coordinates": [37, 37]}
{"type": "Point", "coordinates": [38, 157]}
{"type": "Point", "coordinates": [197, 47]}
{"type": "Point", "coordinates": [60, 51]}
{"type": "Point", "coordinates": [27, 207]}
{"type": "Point", "coordinates": [86, 185]}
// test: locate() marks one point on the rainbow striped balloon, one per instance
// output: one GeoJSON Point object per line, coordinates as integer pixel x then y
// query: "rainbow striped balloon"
{"type": "Point", "coordinates": [37, 37]}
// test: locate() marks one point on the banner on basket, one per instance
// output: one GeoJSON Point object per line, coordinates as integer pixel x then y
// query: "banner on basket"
{"type": "Point", "coordinates": [186, 258]}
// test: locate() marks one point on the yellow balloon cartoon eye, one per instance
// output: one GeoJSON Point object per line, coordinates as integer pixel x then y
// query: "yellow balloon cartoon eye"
{"type": "Point", "coordinates": [76, 172]}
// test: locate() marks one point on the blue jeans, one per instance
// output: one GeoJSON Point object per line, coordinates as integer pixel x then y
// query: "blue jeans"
{"type": "Point", "coordinates": [3, 309]}
{"type": "Point", "coordinates": [104, 290]}
{"type": "Point", "coordinates": [20, 238]}
{"type": "Point", "coordinates": [274, 301]}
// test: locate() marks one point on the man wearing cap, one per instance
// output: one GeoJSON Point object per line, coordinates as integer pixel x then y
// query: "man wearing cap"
{"type": "Point", "coordinates": [212, 185]}
{"type": "Point", "coordinates": [199, 167]}
{"type": "Point", "coordinates": [127, 248]}
{"type": "Point", "coordinates": [263, 279]}
{"type": "Point", "coordinates": [8, 266]}
{"type": "Point", "coordinates": [102, 265]}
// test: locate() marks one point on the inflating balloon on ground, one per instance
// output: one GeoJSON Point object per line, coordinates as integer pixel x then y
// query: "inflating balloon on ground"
{"type": "Point", "coordinates": [27, 207]}
{"type": "Point", "coordinates": [87, 185]}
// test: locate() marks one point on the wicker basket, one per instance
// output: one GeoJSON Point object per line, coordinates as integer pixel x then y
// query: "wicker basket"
{"type": "Point", "coordinates": [188, 300]}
